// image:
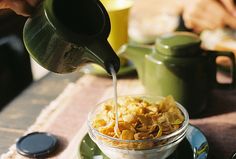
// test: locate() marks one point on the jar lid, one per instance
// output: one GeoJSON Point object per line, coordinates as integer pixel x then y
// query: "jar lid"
{"type": "Point", "coordinates": [178, 44]}
{"type": "Point", "coordinates": [36, 144]}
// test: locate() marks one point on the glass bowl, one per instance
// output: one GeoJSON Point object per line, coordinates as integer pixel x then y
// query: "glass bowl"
{"type": "Point", "coordinates": [116, 148]}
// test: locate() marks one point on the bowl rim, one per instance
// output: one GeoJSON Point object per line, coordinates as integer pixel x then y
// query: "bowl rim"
{"type": "Point", "coordinates": [183, 127]}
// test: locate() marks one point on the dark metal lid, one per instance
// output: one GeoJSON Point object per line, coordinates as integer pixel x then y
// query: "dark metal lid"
{"type": "Point", "coordinates": [36, 144]}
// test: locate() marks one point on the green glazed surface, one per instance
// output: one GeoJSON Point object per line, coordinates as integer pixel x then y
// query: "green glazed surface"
{"type": "Point", "coordinates": [178, 44]}
{"type": "Point", "coordinates": [184, 79]}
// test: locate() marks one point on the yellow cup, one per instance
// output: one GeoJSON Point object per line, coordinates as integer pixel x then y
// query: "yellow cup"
{"type": "Point", "coordinates": [118, 11]}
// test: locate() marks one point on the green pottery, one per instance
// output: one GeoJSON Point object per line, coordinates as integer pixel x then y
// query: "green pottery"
{"type": "Point", "coordinates": [62, 35]}
{"type": "Point", "coordinates": [178, 66]}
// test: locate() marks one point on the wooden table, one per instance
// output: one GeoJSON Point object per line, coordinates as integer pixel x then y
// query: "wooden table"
{"type": "Point", "coordinates": [18, 115]}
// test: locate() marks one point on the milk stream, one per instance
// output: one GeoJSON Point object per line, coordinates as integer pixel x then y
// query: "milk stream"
{"type": "Point", "coordinates": [114, 78]}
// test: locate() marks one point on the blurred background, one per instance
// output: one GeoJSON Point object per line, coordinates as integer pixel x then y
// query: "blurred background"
{"type": "Point", "coordinates": [17, 70]}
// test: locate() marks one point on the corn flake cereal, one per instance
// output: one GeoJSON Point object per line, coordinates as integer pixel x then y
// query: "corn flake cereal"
{"type": "Point", "coordinates": [139, 119]}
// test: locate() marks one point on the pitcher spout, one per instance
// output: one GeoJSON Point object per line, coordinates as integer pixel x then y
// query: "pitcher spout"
{"type": "Point", "coordinates": [100, 52]}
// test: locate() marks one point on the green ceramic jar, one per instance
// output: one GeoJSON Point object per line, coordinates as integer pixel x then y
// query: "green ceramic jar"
{"type": "Point", "coordinates": [177, 66]}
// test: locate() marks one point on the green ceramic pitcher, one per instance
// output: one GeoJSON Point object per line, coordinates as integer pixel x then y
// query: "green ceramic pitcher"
{"type": "Point", "coordinates": [177, 66]}
{"type": "Point", "coordinates": [63, 35]}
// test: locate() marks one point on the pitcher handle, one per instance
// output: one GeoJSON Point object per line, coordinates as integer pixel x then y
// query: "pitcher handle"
{"type": "Point", "coordinates": [213, 70]}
